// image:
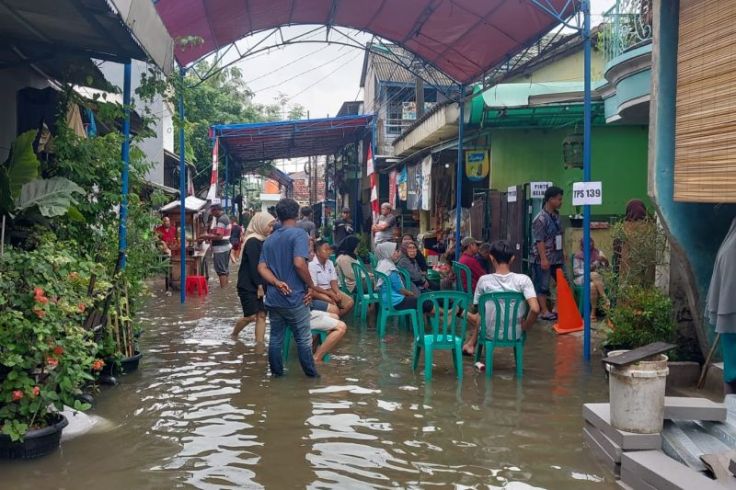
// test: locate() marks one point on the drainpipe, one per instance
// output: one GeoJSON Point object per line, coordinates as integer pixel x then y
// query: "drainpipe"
{"type": "Point", "coordinates": [586, 175]}
{"type": "Point", "coordinates": [459, 173]}
{"type": "Point", "coordinates": [182, 193]}
{"type": "Point", "coordinates": [123, 229]}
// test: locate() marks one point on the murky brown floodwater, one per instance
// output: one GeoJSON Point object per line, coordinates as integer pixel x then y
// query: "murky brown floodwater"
{"type": "Point", "coordinates": [203, 413]}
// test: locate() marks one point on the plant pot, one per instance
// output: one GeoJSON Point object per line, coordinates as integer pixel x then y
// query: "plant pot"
{"type": "Point", "coordinates": [127, 365]}
{"type": "Point", "coordinates": [36, 443]}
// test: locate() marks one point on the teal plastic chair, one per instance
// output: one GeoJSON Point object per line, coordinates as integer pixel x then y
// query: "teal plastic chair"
{"type": "Point", "coordinates": [405, 277]}
{"type": "Point", "coordinates": [287, 343]}
{"type": "Point", "coordinates": [373, 259]}
{"type": "Point", "coordinates": [504, 331]}
{"type": "Point", "coordinates": [386, 308]}
{"type": "Point", "coordinates": [365, 293]}
{"type": "Point", "coordinates": [463, 278]}
{"type": "Point", "coordinates": [343, 284]}
{"type": "Point", "coordinates": [448, 329]}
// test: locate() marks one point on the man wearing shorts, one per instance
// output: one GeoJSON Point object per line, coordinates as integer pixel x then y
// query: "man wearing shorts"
{"type": "Point", "coordinates": [327, 322]}
{"type": "Point", "coordinates": [219, 235]}
{"type": "Point", "coordinates": [547, 255]}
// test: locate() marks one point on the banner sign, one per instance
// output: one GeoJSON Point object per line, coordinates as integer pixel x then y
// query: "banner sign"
{"type": "Point", "coordinates": [587, 194]}
{"type": "Point", "coordinates": [538, 189]}
{"type": "Point", "coordinates": [426, 197]}
{"type": "Point", "coordinates": [477, 164]}
{"type": "Point", "coordinates": [212, 192]}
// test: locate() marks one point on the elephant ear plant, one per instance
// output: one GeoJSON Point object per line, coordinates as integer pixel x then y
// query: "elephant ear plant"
{"type": "Point", "coordinates": [46, 356]}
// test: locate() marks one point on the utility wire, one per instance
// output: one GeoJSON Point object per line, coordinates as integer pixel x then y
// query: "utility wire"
{"type": "Point", "coordinates": [325, 77]}
{"type": "Point", "coordinates": [290, 63]}
{"type": "Point", "coordinates": [302, 73]}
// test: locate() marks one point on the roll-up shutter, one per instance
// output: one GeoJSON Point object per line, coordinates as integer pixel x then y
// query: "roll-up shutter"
{"type": "Point", "coordinates": [705, 132]}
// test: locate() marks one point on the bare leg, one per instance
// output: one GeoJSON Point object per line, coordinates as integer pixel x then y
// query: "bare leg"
{"type": "Point", "coordinates": [542, 298]}
{"type": "Point", "coordinates": [240, 324]}
{"type": "Point", "coordinates": [593, 302]}
{"type": "Point", "coordinates": [223, 281]}
{"type": "Point", "coordinates": [330, 342]}
{"type": "Point", "coordinates": [346, 304]}
{"type": "Point", "coordinates": [261, 327]}
{"type": "Point", "coordinates": [472, 337]}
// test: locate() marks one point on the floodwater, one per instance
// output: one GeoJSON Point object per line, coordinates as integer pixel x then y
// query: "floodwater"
{"type": "Point", "coordinates": [202, 412]}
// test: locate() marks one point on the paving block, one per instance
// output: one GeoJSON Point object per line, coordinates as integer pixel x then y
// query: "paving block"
{"type": "Point", "coordinates": [732, 466]}
{"type": "Point", "coordinates": [686, 408]}
{"type": "Point", "coordinates": [601, 454]}
{"type": "Point", "coordinates": [634, 482]}
{"type": "Point", "coordinates": [611, 448]}
{"type": "Point", "coordinates": [663, 473]}
{"type": "Point", "coordinates": [599, 415]}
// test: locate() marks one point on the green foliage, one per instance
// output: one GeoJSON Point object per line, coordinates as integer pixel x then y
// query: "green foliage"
{"type": "Point", "coordinates": [45, 354]}
{"type": "Point", "coordinates": [53, 197]}
{"type": "Point", "coordinates": [21, 167]}
{"type": "Point", "coordinates": [643, 315]}
{"type": "Point", "coordinates": [364, 247]}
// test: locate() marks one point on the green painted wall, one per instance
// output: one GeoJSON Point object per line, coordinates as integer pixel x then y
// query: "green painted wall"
{"type": "Point", "coordinates": [619, 161]}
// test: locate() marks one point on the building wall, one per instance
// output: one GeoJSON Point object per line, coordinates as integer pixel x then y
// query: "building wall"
{"type": "Point", "coordinates": [619, 161]}
{"type": "Point", "coordinates": [566, 69]}
{"type": "Point", "coordinates": [12, 80]}
{"type": "Point", "coordinates": [695, 230]}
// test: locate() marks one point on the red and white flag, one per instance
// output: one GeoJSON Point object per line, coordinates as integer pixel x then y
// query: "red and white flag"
{"type": "Point", "coordinates": [212, 193]}
{"type": "Point", "coordinates": [375, 207]}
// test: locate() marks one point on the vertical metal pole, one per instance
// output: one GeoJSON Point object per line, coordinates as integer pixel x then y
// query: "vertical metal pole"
{"type": "Point", "coordinates": [182, 192]}
{"type": "Point", "coordinates": [459, 173]}
{"type": "Point", "coordinates": [586, 175]}
{"type": "Point", "coordinates": [123, 229]}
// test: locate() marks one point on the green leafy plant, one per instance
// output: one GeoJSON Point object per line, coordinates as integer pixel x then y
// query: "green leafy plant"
{"type": "Point", "coordinates": [46, 357]}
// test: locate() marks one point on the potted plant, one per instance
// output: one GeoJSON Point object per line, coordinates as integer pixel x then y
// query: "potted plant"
{"type": "Point", "coordinates": [364, 249]}
{"type": "Point", "coordinates": [45, 353]}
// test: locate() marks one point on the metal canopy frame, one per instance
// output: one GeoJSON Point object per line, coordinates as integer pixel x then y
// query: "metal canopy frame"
{"type": "Point", "coordinates": [560, 15]}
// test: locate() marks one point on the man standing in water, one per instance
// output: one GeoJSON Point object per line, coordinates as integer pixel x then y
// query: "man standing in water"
{"type": "Point", "coordinates": [220, 237]}
{"type": "Point", "coordinates": [283, 266]}
{"type": "Point", "coordinates": [547, 254]}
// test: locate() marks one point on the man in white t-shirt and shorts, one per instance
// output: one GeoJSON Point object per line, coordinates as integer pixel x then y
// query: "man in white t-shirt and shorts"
{"type": "Point", "coordinates": [219, 236]}
{"type": "Point", "coordinates": [505, 281]}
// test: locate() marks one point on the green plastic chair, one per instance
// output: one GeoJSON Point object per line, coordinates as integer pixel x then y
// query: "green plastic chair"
{"type": "Point", "coordinates": [386, 308]}
{"type": "Point", "coordinates": [405, 277]}
{"type": "Point", "coordinates": [507, 307]}
{"type": "Point", "coordinates": [343, 285]}
{"type": "Point", "coordinates": [448, 329]}
{"type": "Point", "coordinates": [463, 271]}
{"type": "Point", "coordinates": [287, 343]}
{"type": "Point", "coordinates": [365, 293]}
{"type": "Point", "coordinates": [373, 259]}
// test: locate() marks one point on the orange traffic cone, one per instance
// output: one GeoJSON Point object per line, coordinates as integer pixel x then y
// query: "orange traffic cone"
{"type": "Point", "coordinates": [568, 316]}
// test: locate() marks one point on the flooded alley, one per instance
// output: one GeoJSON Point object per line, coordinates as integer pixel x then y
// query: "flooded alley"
{"type": "Point", "coordinates": [203, 412]}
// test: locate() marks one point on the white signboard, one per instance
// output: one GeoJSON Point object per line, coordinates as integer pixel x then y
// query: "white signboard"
{"type": "Point", "coordinates": [511, 194]}
{"type": "Point", "coordinates": [539, 188]}
{"type": "Point", "coordinates": [587, 193]}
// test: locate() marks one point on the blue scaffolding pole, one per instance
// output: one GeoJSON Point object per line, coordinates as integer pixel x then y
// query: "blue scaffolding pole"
{"type": "Point", "coordinates": [123, 229]}
{"type": "Point", "coordinates": [182, 193]}
{"type": "Point", "coordinates": [459, 173]}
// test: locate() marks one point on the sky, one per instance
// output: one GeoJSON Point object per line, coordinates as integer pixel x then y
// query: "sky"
{"type": "Point", "coordinates": [316, 75]}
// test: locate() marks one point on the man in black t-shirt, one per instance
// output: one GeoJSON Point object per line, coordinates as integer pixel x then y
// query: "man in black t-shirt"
{"type": "Point", "coordinates": [343, 226]}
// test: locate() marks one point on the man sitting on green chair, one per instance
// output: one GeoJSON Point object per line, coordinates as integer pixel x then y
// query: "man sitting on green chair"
{"type": "Point", "coordinates": [505, 281]}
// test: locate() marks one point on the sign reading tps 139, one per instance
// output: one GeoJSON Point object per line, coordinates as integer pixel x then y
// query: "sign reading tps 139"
{"type": "Point", "coordinates": [587, 193]}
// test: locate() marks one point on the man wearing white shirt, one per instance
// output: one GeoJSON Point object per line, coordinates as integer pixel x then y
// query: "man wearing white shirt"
{"type": "Point", "coordinates": [326, 295]}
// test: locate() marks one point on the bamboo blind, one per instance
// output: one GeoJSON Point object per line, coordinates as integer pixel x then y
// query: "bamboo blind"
{"type": "Point", "coordinates": [705, 131]}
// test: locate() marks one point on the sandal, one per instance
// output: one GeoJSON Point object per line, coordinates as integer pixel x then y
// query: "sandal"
{"type": "Point", "coordinates": [549, 316]}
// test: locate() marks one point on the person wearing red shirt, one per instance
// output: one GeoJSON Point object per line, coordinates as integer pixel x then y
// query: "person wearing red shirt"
{"type": "Point", "coordinates": [470, 249]}
{"type": "Point", "coordinates": [166, 235]}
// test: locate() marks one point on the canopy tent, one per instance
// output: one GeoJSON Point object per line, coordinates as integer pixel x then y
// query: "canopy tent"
{"type": "Point", "coordinates": [461, 38]}
{"type": "Point", "coordinates": [258, 142]}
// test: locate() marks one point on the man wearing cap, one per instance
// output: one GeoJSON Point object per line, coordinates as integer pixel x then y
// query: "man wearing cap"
{"type": "Point", "coordinates": [383, 229]}
{"type": "Point", "coordinates": [219, 235]}
{"type": "Point", "coordinates": [470, 249]}
{"type": "Point", "coordinates": [343, 226]}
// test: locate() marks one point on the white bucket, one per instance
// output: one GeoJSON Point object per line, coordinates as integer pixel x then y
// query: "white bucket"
{"type": "Point", "coordinates": [637, 394]}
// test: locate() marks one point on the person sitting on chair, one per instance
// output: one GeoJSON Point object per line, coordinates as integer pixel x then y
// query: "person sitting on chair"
{"type": "Point", "coordinates": [401, 297]}
{"type": "Point", "coordinates": [505, 281]}
{"type": "Point", "coordinates": [326, 295]}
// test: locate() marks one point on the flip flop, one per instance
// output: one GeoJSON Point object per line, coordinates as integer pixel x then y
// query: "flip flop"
{"type": "Point", "coordinates": [548, 317]}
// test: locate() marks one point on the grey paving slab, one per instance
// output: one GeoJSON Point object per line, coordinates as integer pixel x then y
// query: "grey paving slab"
{"type": "Point", "coordinates": [687, 408]}
{"type": "Point", "coordinates": [677, 445]}
{"type": "Point", "coordinates": [634, 482]}
{"type": "Point", "coordinates": [732, 466]}
{"type": "Point", "coordinates": [601, 454]}
{"type": "Point", "coordinates": [599, 415]}
{"type": "Point", "coordinates": [612, 449]}
{"type": "Point", "coordinates": [664, 473]}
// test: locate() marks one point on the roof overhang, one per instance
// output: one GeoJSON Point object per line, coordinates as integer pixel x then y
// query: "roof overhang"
{"type": "Point", "coordinates": [259, 142]}
{"type": "Point", "coordinates": [115, 30]}
{"type": "Point", "coordinates": [461, 38]}
{"type": "Point", "coordinates": [437, 127]}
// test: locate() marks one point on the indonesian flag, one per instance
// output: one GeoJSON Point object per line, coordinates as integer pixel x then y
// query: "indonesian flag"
{"type": "Point", "coordinates": [375, 207]}
{"type": "Point", "coordinates": [190, 183]}
{"type": "Point", "coordinates": [212, 193]}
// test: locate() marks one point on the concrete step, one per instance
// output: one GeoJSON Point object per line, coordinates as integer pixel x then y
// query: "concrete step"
{"type": "Point", "coordinates": [599, 415]}
{"type": "Point", "coordinates": [662, 472]}
{"type": "Point", "coordinates": [686, 408]}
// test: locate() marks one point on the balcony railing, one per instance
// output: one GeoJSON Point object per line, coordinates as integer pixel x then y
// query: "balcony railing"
{"type": "Point", "coordinates": [627, 25]}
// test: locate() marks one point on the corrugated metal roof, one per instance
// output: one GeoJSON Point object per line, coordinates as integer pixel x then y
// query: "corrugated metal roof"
{"type": "Point", "coordinates": [386, 70]}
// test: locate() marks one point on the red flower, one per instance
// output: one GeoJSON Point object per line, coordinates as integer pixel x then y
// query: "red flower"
{"type": "Point", "coordinates": [41, 299]}
{"type": "Point", "coordinates": [81, 307]}
{"type": "Point", "coordinates": [39, 312]}
{"type": "Point", "coordinates": [98, 364]}
{"type": "Point", "coordinates": [51, 362]}
{"type": "Point", "coordinates": [36, 391]}
{"type": "Point", "coordinates": [38, 292]}
{"type": "Point", "coordinates": [17, 395]}
{"type": "Point", "coordinates": [58, 350]}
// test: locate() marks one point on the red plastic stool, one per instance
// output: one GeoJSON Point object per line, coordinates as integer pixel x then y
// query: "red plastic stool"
{"type": "Point", "coordinates": [198, 283]}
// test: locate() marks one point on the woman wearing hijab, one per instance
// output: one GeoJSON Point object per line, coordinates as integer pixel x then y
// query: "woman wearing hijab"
{"type": "Point", "coordinates": [409, 261]}
{"type": "Point", "coordinates": [251, 286]}
{"type": "Point", "coordinates": [637, 230]}
{"type": "Point", "coordinates": [402, 299]}
{"type": "Point", "coordinates": [597, 261]}
{"type": "Point", "coordinates": [346, 257]}
{"type": "Point", "coordinates": [407, 239]}
{"type": "Point", "coordinates": [720, 307]}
